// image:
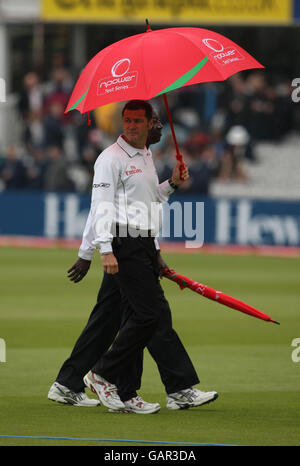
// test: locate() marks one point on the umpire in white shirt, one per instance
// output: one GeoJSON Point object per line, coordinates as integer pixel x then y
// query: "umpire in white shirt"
{"type": "Point", "coordinates": [175, 367]}
{"type": "Point", "coordinates": [125, 210]}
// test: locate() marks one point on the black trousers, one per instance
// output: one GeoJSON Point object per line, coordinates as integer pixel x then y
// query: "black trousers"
{"type": "Point", "coordinates": [133, 300]}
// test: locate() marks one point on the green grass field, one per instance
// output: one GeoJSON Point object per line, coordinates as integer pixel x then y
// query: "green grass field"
{"type": "Point", "coordinates": [248, 361]}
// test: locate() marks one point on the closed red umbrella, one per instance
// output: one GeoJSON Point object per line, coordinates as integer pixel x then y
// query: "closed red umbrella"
{"type": "Point", "coordinates": [215, 295]}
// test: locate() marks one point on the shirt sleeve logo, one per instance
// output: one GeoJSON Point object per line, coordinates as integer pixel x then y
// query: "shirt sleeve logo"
{"type": "Point", "coordinates": [101, 185]}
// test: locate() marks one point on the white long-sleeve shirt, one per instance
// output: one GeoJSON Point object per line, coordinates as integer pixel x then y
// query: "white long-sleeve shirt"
{"type": "Point", "coordinates": [87, 249]}
{"type": "Point", "coordinates": [125, 192]}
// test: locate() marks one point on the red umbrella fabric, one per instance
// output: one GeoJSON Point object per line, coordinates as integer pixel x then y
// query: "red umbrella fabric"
{"type": "Point", "coordinates": [215, 295]}
{"type": "Point", "coordinates": [147, 65]}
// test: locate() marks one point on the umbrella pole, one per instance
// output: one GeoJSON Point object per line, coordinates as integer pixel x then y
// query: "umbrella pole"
{"type": "Point", "coordinates": [178, 154]}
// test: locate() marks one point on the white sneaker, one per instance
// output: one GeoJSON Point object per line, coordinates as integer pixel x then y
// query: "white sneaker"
{"type": "Point", "coordinates": [139, 406]}
{"type": "Point", "coordinates": [63, 394]}
{"type": "Point", "coordinates": [189, 398]}
{"type": "Point", "coordinates": [107, 392]}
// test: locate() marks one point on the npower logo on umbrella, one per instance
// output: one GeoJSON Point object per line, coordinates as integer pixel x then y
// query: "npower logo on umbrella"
{"type": "Point", "coordinates": [121, 78]}
{"type": "Point", "coordinates": [222, 55]}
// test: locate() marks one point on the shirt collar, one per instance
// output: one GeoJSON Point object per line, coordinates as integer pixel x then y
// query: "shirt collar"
{"type": "Point", "coordinates": [130, 150]}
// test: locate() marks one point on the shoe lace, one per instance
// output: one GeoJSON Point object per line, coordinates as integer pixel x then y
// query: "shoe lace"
{"type": "Point", "coordinates": [189, 394]}
{"type": "Point", "coordinates": [76, 396]}
{"type": "Point", "coordinates": [138, 401]}
{"type": "Point", "coordinates": [111, 390]}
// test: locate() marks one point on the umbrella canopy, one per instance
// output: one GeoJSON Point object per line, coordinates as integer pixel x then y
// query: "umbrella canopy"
{"type": "Point", "coordinates": [147, 65]}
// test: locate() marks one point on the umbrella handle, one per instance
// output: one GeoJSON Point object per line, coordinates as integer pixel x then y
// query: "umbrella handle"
{"type": "Point", "coordinates": [172, 275]}
{"type": "Point", "coordinates": [178, 154]}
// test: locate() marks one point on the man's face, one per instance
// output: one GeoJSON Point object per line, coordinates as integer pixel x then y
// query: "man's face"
{"type": "Point", "coordinates": [154, 134]}
{"type": "Point", "coordinates": [136, 127]}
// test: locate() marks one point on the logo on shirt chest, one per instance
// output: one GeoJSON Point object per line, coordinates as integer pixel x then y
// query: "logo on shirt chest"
{"type": "Point", "coordinates": [132, 170]}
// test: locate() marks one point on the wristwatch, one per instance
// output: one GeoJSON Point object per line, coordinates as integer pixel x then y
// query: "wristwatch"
{"type": "Point", "coordinates": [172, 184]}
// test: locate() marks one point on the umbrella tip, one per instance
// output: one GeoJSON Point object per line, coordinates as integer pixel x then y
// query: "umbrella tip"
{"type": "Point", "coordinates": [148, 25]}
{"type": "Point", "coordinates": [275, 322]}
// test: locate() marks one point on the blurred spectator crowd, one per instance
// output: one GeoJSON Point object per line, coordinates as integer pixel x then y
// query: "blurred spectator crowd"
{"type": "Point", "coordinates": [217, 125]}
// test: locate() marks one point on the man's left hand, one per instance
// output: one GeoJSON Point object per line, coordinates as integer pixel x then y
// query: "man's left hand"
{"type": "Point", "coordinates": [79, 270]}
{"type": "Point", "coordinates": [161, 265]}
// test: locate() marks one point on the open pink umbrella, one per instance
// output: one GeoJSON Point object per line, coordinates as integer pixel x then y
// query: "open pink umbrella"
{"type": "Point", "coordinates": [214, 295]}
{"type": "Point", "coordinates": [153, 63]}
